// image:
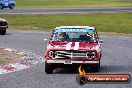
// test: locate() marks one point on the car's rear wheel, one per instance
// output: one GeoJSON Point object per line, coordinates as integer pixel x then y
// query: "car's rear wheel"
{"type": "Point", "coordinates": [12, 6]}
{"type": "Point", "coordinates": [3, 32]}
{"type": "Point", "coordinates": [48, 68]}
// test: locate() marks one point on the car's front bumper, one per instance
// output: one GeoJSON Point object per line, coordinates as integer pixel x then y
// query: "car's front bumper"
{"type": "Point", "coordinates": [3, 27]}
{"type": "Point", "coordinates": [71, 62]}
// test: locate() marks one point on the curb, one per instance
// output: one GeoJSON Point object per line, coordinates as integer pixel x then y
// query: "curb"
{"type": "Point", "coordinates": [29, 60]}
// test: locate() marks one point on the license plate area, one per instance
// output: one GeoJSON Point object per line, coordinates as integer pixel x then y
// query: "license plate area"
{"type": "Point", "coordinates": [68, 62]}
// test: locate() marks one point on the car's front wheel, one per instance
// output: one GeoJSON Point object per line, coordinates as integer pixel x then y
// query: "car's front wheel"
{"type": "Point", "coordinates": [96, 67]}
{"type": "Point", "coordinates": [3, 32]}
{"type": "Point", "coordinates": [12, 6]}
{"type": "Point", "coordinates": [48, 68]}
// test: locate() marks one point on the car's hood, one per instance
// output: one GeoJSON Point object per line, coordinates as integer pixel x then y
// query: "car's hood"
{"type": "Point", "coordinates": [72, 46]}
{"type": "Point", "coordinates": [2, 19]}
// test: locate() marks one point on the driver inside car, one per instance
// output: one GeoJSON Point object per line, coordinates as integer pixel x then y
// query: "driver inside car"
{"type": "Point", "coordinates": [61, 36]}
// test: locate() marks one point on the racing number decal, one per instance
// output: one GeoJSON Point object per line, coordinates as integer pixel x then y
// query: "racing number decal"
{"type": "Point", "coordinates": [6, 4]}
{"type": "Point", "coordinates": [76, 46]}
{"type": "Point", "coordinates": [68, 46]}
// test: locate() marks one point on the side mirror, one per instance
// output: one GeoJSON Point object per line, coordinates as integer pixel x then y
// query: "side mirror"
{"type": "Point", "coordinates": [101, 41]}
{"type": "Point", "coordinates": [45, 40]}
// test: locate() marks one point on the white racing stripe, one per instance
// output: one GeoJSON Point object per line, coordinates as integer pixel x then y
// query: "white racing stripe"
{"type": "Point", "coordinates": [68, 46]}
{"type": "Point", "coordinates": [76, 46]}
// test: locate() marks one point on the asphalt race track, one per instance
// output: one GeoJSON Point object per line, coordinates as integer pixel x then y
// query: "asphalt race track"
{"type": "Point", "coordinates": [117, 58]}
{"type": "Point", "coordinates": [66, 10]}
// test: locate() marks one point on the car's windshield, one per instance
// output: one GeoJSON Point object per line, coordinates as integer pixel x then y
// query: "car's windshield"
{"type": "Point", "coordinates": [74, 35]}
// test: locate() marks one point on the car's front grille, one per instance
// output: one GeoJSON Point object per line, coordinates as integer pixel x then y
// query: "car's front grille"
{"type": "Point", "coordinates": [71, 54]}
{"type": "Point", "coordinates": [3, 23]}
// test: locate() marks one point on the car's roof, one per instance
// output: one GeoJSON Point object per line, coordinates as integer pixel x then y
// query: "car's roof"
{"type": "Point", "coordinates": [85, 27]}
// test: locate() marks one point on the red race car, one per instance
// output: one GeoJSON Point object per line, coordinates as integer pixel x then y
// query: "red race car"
{"type": "Point", "coordinates": [72, 46]}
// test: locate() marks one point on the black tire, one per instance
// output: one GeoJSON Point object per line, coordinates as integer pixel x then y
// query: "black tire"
{"type": "Point", "coordinates": [99, 64]}
{"type": "Point", "coordinates": [3, 32]}
{"type": "Point", "coordinates": [1, 7]}
{"type": "Point", "coordinates": [12, 6]}
{"type": "Point", "coordinates": [96, 68]}
{"type": "Point", "coordinates": [48, 68]}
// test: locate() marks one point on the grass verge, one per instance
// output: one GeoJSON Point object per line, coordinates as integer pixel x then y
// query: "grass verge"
{"type": "Point", "coordinates": [71, 3]}
{"type": "Point", "coordinates": [113, 22]}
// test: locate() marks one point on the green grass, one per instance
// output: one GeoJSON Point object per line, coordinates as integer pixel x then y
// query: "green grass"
{"type": "Point", "coordinates": [113, 22]}
{"type": "Point", "coordinates": [71, 3]}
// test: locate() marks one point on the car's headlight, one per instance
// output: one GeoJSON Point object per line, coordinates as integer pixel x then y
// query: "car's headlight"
{"type": "Point", "coordinates": [91, 54]}
{"type": "Point", "coordinates": [52, 54]}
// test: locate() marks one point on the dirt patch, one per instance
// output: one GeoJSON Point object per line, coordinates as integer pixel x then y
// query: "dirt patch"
{"type": "Point", "coordinates": [7, 57]}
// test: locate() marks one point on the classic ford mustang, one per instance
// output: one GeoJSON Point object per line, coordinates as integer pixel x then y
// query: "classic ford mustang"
{"type": "Point", "coordinates": [72, 46]}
